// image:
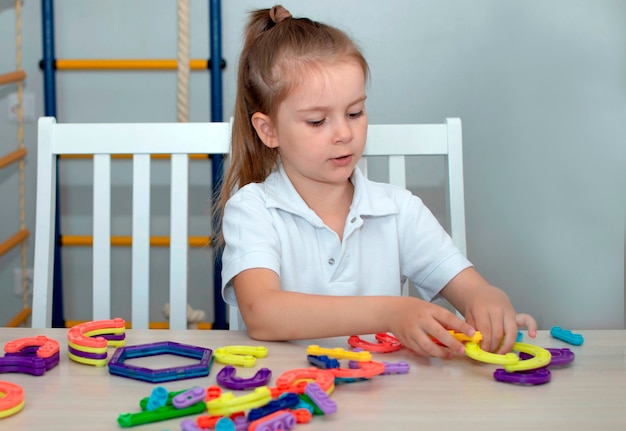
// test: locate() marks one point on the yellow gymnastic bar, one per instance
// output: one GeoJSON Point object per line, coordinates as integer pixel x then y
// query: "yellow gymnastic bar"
{"type": "Point", "coordinates": [20, 318]}
{"type": "Point", "coordinates": [13, 157]}
{"type": "Point", "coordinates": [126, 241]}
{"type": "Point", "coordinates": [7, 78]}
{"type": "Point", "coordinates": [13, 241]}
{"type": "Point", "coordinates": [151, 325]}
{"type": "Point", "coordinates": [127, 64]}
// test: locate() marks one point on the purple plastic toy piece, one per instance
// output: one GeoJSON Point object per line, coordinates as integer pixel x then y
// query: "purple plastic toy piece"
{"type": "Point", "coordinates": [27, 363]}
{"type": "Point", "coordinates": [396, 367]}
{"type": "Point", "coordinates": [241, 423]}
{"type": "Point", "coordinates": [202, 368]}
{"type": "Point", "coordinates": [320, 398]}
{"type": "Point", "coordinates": [87, 355]}
{"type": "Point", "coordinates": [190, 425]}
{"type": "Point", "coordinates": [559, 356]}
{"type": "Point", "coordinates": [227, 379]}
{"type": "Point", "coordinates": [538, 376]}
{"type": "Point", "coordinates": [189, 397]}
{"type": "Point", "coordinates": [282, 421]}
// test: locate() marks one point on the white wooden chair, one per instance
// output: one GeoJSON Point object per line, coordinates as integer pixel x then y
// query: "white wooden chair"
{"type": "Point", "coordinates": [139, 140]}
{"type": "Point", "coordinates": [398, 141]}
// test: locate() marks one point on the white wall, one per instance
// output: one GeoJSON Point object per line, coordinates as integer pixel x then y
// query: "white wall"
{"type": "Point", "coordinates": [540, 87]}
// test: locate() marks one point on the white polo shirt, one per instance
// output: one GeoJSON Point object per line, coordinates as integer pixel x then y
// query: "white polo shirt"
{"type": "Point", "coordinates": [389, 236]}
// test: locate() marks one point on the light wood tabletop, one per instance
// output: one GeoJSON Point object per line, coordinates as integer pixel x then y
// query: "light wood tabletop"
{"type": "Point", "coordinates": [460, 393]}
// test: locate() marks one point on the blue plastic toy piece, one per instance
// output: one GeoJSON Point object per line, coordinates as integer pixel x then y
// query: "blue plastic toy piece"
{"type": "Point", "coordinates": [286, 401]}
{"type": "Point", "coordinates": [323, 361]}
{"type": "Point", "coordinates": [567, 336]}
{"type": "Point", "coordinates": [158, 398]}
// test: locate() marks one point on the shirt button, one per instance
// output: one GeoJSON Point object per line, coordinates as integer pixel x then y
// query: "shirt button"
{"type": "Point", "coordinates": [353, 220]}
{"type": "Point", "coordinates": [331, 261]}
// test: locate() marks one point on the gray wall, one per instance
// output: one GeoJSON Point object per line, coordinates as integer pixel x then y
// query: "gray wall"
{"type": "Point", "coordinates": [540, 87]}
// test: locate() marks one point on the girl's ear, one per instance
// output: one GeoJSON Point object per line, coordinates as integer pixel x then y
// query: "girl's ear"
{"type": "Point", "coordinates": [264, 128]}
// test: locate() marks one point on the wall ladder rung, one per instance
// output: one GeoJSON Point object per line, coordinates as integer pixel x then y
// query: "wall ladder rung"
{"type": "Point", "coordinates": [16, 155]}
{"type": "Point", "coordinates": [127, 241]}
{"type": "Point", "coordinates": [16, 239]}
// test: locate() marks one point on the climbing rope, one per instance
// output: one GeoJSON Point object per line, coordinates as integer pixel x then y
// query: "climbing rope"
{"type": "Point", "coordinates": [20, 142]}
{"type": "Point", "coordinates": [182, 94]}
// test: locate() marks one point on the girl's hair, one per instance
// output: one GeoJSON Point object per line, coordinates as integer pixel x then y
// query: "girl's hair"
{"type": "Point", "coordinates": [278, 54]}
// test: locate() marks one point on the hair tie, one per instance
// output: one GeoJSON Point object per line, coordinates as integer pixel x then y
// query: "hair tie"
{"type": "Point", "coordinates": [279, 13]}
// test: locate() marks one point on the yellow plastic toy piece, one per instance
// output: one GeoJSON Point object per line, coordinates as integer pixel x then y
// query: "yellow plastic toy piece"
{"type": "Point", "coordinates": [475, 352]}
{"type": "Point", "coordinates": [240, 355]}
{"type": "Point", "coordinates": [88, 361]}
{"type": "Point", "coordinates": [541, 358]}
{"type": "Point", "coordinates": [227, 404]}
{"type": "Point", "coordinates": [339, 353]}
{"type": "Point", "coordinates": [477, 337]}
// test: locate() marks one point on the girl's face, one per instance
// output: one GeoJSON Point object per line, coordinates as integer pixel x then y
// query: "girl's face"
{"type": "Point", "coordinates": [321, 127]}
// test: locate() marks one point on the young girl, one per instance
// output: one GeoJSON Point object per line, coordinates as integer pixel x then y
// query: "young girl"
{"type": "Point", "coordinates": [312, 248]}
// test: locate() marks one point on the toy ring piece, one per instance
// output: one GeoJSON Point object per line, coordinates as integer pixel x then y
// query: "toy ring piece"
{"type": "Point", "coordinates": [363, 370]}
{"type": "Point", "coordinates": [541, 358]}
{"type": "Point", "coordinates": [381, 346]}
{"type": "Point", "coordinates": [339, 353]}
{"type": "Point", "coordinates": [12, 400]}
{"type": "Point", "coordinates": [227, 379]}
{"type": "Point", "coordinates": [537, 376]}
{"type": "Point", "coordinates": [475, 352]}
{"type": "Point", "coordinates": [240, 355]}
{"type": "Point", "coordinates": [81, 335]}
{"type": "Point", "coordinates": [559, 356]}
{"type": "Point", "coordinates": [297, 379]}
{"type": "Point", "coordinates": [46, 346]}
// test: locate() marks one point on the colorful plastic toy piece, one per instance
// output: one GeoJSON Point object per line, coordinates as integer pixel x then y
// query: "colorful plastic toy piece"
{"type": "Point", "coordinates": [190, 425]}
{"type": "Point", "coordinates": [323, 362]}
{"type": "Point", "coordinates": [225, 424]}
{"type": "Point", "coordinates": [537, 376]}
{"type": "Point", "coordinates": [86, 334]}
{"type": "Point", "coordinates": [396, 367]}
{"type": "Point", "coordinates": [380, 347]}
{"type": "Point", "coordinates": [212, 392]}
{"type": "Point", "coordinates": [11, 399]}
{"type": "Point", "coordinates": [46, 347]}
{"type": "Point", "coordinates": [202, 368]}
{"type": "Point", "coordinates": [143, 403]}
{"type": "Point", "coordinates": [296, 380]}
{"type": "Point", "coordinates": [559, 356]}
{"type": "Point", "coordinates": [363, 370]}
{"type": "Point", "coordinates": [126, 420]}
{"type": "Point", "coordinates": [285, 401]}
{"type": "Point", "coordinates": [459, 336]}
{"type": "Point", "coordinates": [303, 415]}
{"type": "Point", "coordinates": [567, 336]}
{"type": "Point", "coordinates": [320, 398]}
{"type": "Point", "coordinates": [189, 397]}
{"type": "Point", "coordinates": [541, 358]}
{"type": "Point", "coordinates": [475, 352]}
{"type": "Point", "coordinates": [520, 337]}
{"type": "Point", "coordinates": [158, 398]}
{"type": "Point", "coordinates": [281, 420]}
{"type": "Point", "coordinates": [339, 353]}
{"type": "Point", "coordinates": [240, 355]}
{"type": "Point", "coordinates": [227, 379]}
{"type": "Point", "coordinates": [20, 364]}
{"type": "Point", "coordinates": [227, 404]}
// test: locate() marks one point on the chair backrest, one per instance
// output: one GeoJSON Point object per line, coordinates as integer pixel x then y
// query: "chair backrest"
{"type": "Point", "coordinates": [397, 142]}
{"type": "Point", "coordinates": [140, 140]}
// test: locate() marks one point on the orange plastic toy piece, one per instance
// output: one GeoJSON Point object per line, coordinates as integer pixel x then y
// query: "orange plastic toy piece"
{"type": "Point", "coordinates": [297, 379]}
{"type": "Point", "coordinates": [47, 346]}
{"type": "Point", "coordinates": [11, 399]}
{"type": "Point", "coordinates": [86, 333]}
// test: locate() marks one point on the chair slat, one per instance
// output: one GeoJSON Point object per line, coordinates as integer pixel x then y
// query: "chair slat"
{"type": "Point", "coordinates": [140, 297]}
{"type": "Point", "coordinates": [179, 247]}
{"type": "Point", "coordinates": [101, 237]}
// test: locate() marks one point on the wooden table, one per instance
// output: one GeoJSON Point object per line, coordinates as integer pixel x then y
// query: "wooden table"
{"type": "Point", "coordinates": [456, 394]}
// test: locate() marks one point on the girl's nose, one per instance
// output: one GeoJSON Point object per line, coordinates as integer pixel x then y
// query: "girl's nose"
{"type": "Point", "coordinates": [343, 131]}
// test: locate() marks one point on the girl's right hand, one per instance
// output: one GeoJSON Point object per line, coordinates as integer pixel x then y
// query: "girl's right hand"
{"type": "Point", "coordinates": [415, 322]}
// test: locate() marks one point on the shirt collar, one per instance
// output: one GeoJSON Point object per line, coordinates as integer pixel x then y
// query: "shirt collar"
{"type": "Point", "coordinates": [370, 198]}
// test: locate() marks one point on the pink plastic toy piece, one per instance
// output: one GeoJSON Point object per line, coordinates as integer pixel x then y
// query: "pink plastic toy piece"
{"type": "Point", "coordinates": [78, 334]}
{"type": "Point", "coordinates": [320, 398]}
{"type": "Point", "coordinates": [47, 346]}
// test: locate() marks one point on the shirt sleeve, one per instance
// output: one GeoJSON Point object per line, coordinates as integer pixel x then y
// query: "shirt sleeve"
{"type": "Point", "coordinates": [250, 239]}
{"type": "Point", "coordinates": [428, 256]}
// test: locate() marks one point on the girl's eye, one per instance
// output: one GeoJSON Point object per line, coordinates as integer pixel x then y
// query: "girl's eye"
{"type": "Point", "coordinates": [315, 123]}
{"type": "Point", "coordinates": [355, 114]}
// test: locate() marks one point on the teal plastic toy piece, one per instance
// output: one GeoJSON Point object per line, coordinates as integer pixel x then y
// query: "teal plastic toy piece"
{"type": "Point", "coordinates": [567, 336]}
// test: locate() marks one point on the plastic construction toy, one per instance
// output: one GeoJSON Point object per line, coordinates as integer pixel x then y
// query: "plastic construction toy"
{"type": "Point", "coordinates": [401, 367]}
{"type": "Point", "coordinates": [321, 399]}
{"type": "Point", "coordinates": [540, 357]}
{"type": "Point", "coordinates": [281, 420]}
{"type": "Point", "coordinates": [11, 399]}
{"type": "Point", "coordinates": [202, 368]}
{"type": "Point", "coordinates": [559, 356]}
{"type": "Point", "coordinates": [189, 397]}
{"type": "Point", "coordinates": [538, 376]}
{"type": "Point", "coordinates": [297, 379]}
{"type": "Point", "coordinates": [323, 362]}
{"type": "Point", "coordinates": [339, 353]}
{"type": "Point", "coordinates": [380, 346]}
{"type": "Point", "coordinates": [227, 404]}
{"type": "Point", "coordinates": [567, 336]}
{"type": "Point", "coordinates": [285, 401]}
{"type": "Point", "coordinates": [459, 336]}
{"type": "Point", "coordinates": [227, 379]}
{"type": "Point", "coordinates": [34, 355]}
{"type": "Point", "coordinates": [88, 342]}
{"type": "Point", "coordinates": [244, 356]}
